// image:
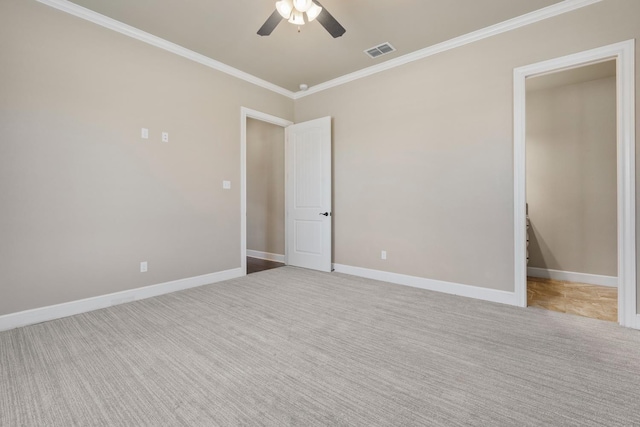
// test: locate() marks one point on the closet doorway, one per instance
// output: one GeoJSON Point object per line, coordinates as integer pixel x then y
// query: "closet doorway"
{"type": "Point", "coordinates": [623, 55]}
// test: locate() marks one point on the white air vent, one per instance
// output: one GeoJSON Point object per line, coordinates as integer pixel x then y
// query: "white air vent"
{"type": "Point", "coordinates": [380, 50]}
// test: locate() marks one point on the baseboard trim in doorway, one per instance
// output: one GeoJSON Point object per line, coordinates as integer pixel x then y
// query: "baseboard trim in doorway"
{"type": "Point", "coordinates": [571, 276]}
{"type": "Point", "coordinates": [265, 255]}
{"type": "Point", "coordinates": [52, 312]}
{"type": "Point", "coordinates": [468, 291]}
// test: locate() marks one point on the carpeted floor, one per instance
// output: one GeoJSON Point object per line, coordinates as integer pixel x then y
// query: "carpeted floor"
{"type": "Point", "coordinates": [294, 347]}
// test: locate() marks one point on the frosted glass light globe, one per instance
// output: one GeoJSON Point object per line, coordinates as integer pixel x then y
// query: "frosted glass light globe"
{"type": "Point", "coordinates": [302, 5]}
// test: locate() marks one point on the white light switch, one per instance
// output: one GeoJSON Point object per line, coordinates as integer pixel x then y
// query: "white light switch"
{"type": "Point", "coordinates": [383, 255]}
{"type": "Point", "coordinates": [165, 136]}
{"type": "Point", "coordinates": [143, 267]}
{"type": "Point", "coordinates": [226, 185]}
{"type": "Point", "coordinates": [144, 134]}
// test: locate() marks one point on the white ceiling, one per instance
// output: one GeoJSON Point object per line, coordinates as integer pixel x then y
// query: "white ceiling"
{"type": "Point", "coordinates": [226, 31]}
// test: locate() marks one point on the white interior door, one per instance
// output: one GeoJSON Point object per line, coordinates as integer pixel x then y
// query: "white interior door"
{"type": "Point", "coordinates": [308, 198]}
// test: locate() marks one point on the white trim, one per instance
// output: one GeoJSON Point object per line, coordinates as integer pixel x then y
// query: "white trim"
{"type": "Point", "coordinates": [52, 312]}
{"type": "Point", "coordinates": [244, 114]}
{"type": "Point", "coordinates": [624, 54]}
{"type": "Point", "coordinates": [468, 291]}
{"type": "Point", "coordinates": [503, 27]}
{"type": "Point", "coordinates": [265, 255]}
{"type": "Point", "coordinates": [572, 276]}
{"type": "Point", "coordinates": [127, 30]}
{"type": "Point", "coordinates": [511, 24]}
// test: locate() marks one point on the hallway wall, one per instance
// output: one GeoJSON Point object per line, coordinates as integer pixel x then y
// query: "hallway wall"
{"type": "Point", "coordinates": [265, 187]}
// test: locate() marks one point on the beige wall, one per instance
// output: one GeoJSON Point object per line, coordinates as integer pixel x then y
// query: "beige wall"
{"type": "Point", "coordinates": [571, 177]}
{"type": "Point", "coordinates": [265, 187]}
{"type": "Point", "coordinates": [423, 153]}
{"type": "Point", "coordinates": [84, 200]}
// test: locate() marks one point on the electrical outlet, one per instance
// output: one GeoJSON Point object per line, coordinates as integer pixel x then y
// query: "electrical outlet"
{"type": "Point", "coordinates": [383, 255]}
{"type": "Point", "coordinates": [143, 267]}
{"type": "Point", "coordinates": [144, 133]}
{"type": "Point", "coordinates": [165, 136]}
{"type": "Point", "coordinates": [226, 185]}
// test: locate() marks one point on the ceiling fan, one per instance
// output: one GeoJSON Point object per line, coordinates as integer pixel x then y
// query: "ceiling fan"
{"type": "Point", "coordinates": [295, 10]}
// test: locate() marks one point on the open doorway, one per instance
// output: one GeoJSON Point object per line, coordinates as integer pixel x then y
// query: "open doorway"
{"type": "Point", "coordinates": [623, 54]}
{"type": "Point", "coordinates": [258, 119]}
{"type": "Point", "coordinates": [265, 196]}
{"type": "Point", "coordinates": [308, 191]}
{"type": "Point", "coordinates": [571, 191]}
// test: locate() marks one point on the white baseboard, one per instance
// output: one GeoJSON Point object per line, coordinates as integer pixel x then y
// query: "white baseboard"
{"type": "Point", "coordinates": [265, 255]}
{"type": "Point", "coordinates": [570, 276]}
{"type": "Point", "coordinates": [52, 312]}
{"type": "Point", "coordinates": [476, 292]}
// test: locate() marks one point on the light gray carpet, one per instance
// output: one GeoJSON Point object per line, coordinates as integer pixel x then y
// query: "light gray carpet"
{"type": "Point", "coordinates": [293, 347]}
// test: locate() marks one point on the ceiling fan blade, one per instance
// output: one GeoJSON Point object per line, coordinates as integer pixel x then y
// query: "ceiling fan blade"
{"type": "Point", "coordinates": [270, 24]}
{"type": "Point", "coordinates": [329, 22]}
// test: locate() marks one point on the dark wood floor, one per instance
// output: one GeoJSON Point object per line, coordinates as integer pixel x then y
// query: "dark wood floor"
{"type": "Point", "coordinates": [256, 264]}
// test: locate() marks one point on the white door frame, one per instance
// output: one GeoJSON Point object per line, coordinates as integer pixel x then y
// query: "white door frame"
{"type": "Point", "coordinates": [624, 54]}
{"type": "Point", "coordinates": [253, 114]}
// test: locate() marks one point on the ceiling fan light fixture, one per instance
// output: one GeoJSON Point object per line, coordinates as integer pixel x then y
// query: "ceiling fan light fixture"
{"type": "Point", "coordinates": [302, 5]}
{"type": "Point", "coordinates": [284, 8]}
{"type": "Point", "coordinates": [313, 12]}
{"type": "Point", "coordinates": [296, 18]}
{"type": "Point", "coordinates": [298, 13]}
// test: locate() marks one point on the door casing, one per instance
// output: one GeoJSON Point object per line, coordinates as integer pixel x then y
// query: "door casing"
{"type": "Point", "coordinates": [624, 54]}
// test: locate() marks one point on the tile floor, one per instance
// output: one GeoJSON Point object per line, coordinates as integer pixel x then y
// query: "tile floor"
{"type": "Point", "coordinates": [599, 302]}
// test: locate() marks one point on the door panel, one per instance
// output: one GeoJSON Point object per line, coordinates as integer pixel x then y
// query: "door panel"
{"type": "Point", "coordinates": [306, 237]}
{"type": "Point", "coordinates": [309, 194]}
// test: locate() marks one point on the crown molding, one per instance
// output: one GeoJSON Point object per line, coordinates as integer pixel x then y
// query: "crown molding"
{"type": "Point", "coordinates": [127, 30]}
{"type": "Point", "coordinates": [502, 27]}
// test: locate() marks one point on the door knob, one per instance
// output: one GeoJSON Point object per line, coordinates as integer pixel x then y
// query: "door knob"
{"type": "Point", "coordinates": [325, 214]}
